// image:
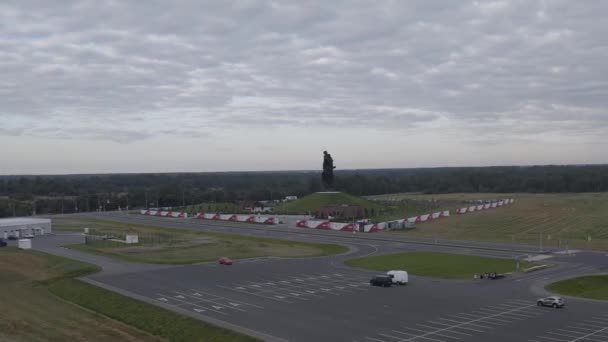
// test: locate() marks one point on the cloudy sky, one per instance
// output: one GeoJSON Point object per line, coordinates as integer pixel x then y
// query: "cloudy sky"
{"type": "Point", "coordinates": [155, 86]}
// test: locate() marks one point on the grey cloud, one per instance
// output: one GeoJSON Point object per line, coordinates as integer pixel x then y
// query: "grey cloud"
{"type": "Point", "coordinates": [496, 66]}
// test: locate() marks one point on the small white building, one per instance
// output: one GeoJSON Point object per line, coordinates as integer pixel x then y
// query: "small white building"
{"type": "Point", "coordinates": [24, 225]}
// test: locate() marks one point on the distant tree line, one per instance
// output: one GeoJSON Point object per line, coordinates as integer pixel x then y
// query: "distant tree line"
{"type": "Point", "coordinates": [25, 195]}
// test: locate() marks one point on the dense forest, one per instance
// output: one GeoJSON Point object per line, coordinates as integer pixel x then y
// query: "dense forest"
{"type": "Point", "coordinates": [26, 195]}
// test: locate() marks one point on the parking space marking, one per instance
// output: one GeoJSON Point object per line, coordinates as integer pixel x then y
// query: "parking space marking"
{"type": "Point", "coordinates": [227, 299]}
{"type": "Point", "coordinates": [284, 289]}
{"type": "Point", "coordinates": [478, 316]}
{"type": "Point", "coordinates": [306, 289]}
{"type": "Point", "coordinates": [410, 334]}
{"type": "Point", "coordinates": [286, 292]}
{"type": "Point", "coordinates": [455, 321]}
{"type": "Point", "coordinates": [462, 326]}
{"type": "Point", "coordinates": [579, 332]}
{"type": "Point", "coordinates": [197, 306]}
{"type": "Point", "coordinates": [201, 299]}
{"type": "Point", "coordinates": [254, 294]}
{"type": "Point", "coordinates": [301, 287]}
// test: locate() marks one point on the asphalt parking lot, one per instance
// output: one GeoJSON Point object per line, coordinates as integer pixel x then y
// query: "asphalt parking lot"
{"type": "Point", "coordinates": [320, 299]}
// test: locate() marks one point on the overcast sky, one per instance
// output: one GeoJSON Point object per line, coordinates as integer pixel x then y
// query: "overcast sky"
{"type": "Point", "coordinates": [155, 86]}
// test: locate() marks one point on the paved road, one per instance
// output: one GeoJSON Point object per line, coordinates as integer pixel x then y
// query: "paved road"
{"type": "Point", "coordinates": [320, 299]}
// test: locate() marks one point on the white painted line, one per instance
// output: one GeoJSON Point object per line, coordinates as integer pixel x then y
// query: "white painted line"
{"type": "Point", "coordinates": [212, 301]}
{"type": "Point", "coordinates": [596, 340]}
{"type": "Point", "coordinates": [193, 304]}
{"type": "Point", "coordinates": [254, 294]}
{"type": "Point", "coordinates": [455, 321]}
{"type": "Point", "coordinates": [391, 336]}
{"type": "Point", "coordinates": [563, 335]}
{"type": "Point", "coordinates": [590, 334]}
{"type": "Point", "coordinates": [448, 336]}
{"type": "Point", "coordinates": [284, 290]}
{"type": "Point", "coordinates": [404, 333]}
{"type": "Point", "coordinates": [472, 321]}
{"type": "Point", "coordinates": [570, 331]}
{"type": "Point", "coordinates": [415, 336]}
{"type": "Point", "coordinates": [581, 332]}
{"type": "Point", "coordinates": [232, 300]}
{"type": "Point", "coordinates": [449, 327]}
{"type": "Point", "coordinates": [553, 339]}
{"type": "Point", "coordinates": [595, 327]}
{"type": "Point", "coordinates": [375, 339]}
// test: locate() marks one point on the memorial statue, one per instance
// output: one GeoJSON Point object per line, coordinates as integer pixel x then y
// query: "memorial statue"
{"type": "Point", "coordinates": [328, 171]}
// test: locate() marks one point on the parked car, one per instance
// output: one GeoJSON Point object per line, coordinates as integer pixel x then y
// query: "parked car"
{"type": "Point", "coordinates": [398, 277]}
{"type": "Point", "coordinates": [555, 302]}
{"type": "Point", "coordinates": [490, 275]}
{"type": "Point", "coordinates": [12, 237]}
{"type": "Point", "coordinates": [2, 243]}
{"type": "Point", "coordinates": [224, 261]}
{"type": "Point", "coordinates": [381, 280]}
{"type": "Point", "coordinates": [28, 236]}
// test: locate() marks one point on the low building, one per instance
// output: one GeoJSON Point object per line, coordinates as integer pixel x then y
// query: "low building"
{"type": "Point", "coordinates": [24, 225]}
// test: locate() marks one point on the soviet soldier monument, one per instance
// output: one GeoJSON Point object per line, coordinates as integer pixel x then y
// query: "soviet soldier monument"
{"type": "Point", "coordinates": [327, 176]}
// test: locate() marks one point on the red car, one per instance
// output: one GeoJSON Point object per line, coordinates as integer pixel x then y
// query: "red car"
{"type": "Point", "coordinates": [224, 261]}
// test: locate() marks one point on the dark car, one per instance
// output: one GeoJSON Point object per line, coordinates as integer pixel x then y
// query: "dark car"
{"type": "Point", "coordinates": [12, 237]}
{"type": "Point", "coordinates": [2, 243]}
{"type": "Point", "coordinates": [383, 281]}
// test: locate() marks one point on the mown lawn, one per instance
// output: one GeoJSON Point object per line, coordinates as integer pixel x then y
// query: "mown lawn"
{"type": "Point", "coordinates": [593, 287]}
{"type": "Point", "coordinates": [558, 220]}
{"type": "Point", "coordinates": [176, 246]}
{"type": "Point", "coordinates": [313, 202]}
{"type": "Point", "coordinates": [31, 282]}
{"type": "Point", "coordinates": [437, 265]}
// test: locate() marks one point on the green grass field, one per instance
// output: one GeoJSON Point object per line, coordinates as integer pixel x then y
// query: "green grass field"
{"type": "Point", "coordinates": [176, 246]}
{"type": "Point", "coordinates": [38, 292]}
{"type": "Point", "coordinates": [561, 220]}
{"type": "Point", "coordinates": [593, 287]}
{"type": "Point", "coordinates": [31, 313]}
{"type": "Point", "coordinates": [312, 202]}
{"type": "Point", "coordinates": [437, 265]}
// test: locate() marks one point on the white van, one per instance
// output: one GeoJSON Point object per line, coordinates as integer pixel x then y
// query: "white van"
{"type": "Point", "coordinates": [398, 277]}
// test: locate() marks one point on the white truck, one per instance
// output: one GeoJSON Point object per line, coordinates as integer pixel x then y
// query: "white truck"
{"type": "Point", "coordinates": [398, 277]}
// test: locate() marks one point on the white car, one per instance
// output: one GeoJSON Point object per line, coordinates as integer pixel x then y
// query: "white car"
{"type": "Point", "coordinates": [27, 236]}
{"type": "Point", "coordinates": [398, 277]}
{"type": "Point", "coordinates": [555, 302]}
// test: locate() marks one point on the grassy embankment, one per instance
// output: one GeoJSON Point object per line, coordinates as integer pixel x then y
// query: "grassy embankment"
{"type": "Point", "coordinates": [31, 282]}
{"type": "Point", "coordinates": [315, 201]}
{"type": "Point", "coordinates": [178, 246]}
{"type": "Point", "coordinates": [593, 287]}
{"type": "Point", "coordinates": [560, 220]}
{"type": "Point", "coordinates": [437, 265]}
{"type": "Point", "coordinates": [214, 207]}
{"type": "Point", "coordinates": [379, 210]}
